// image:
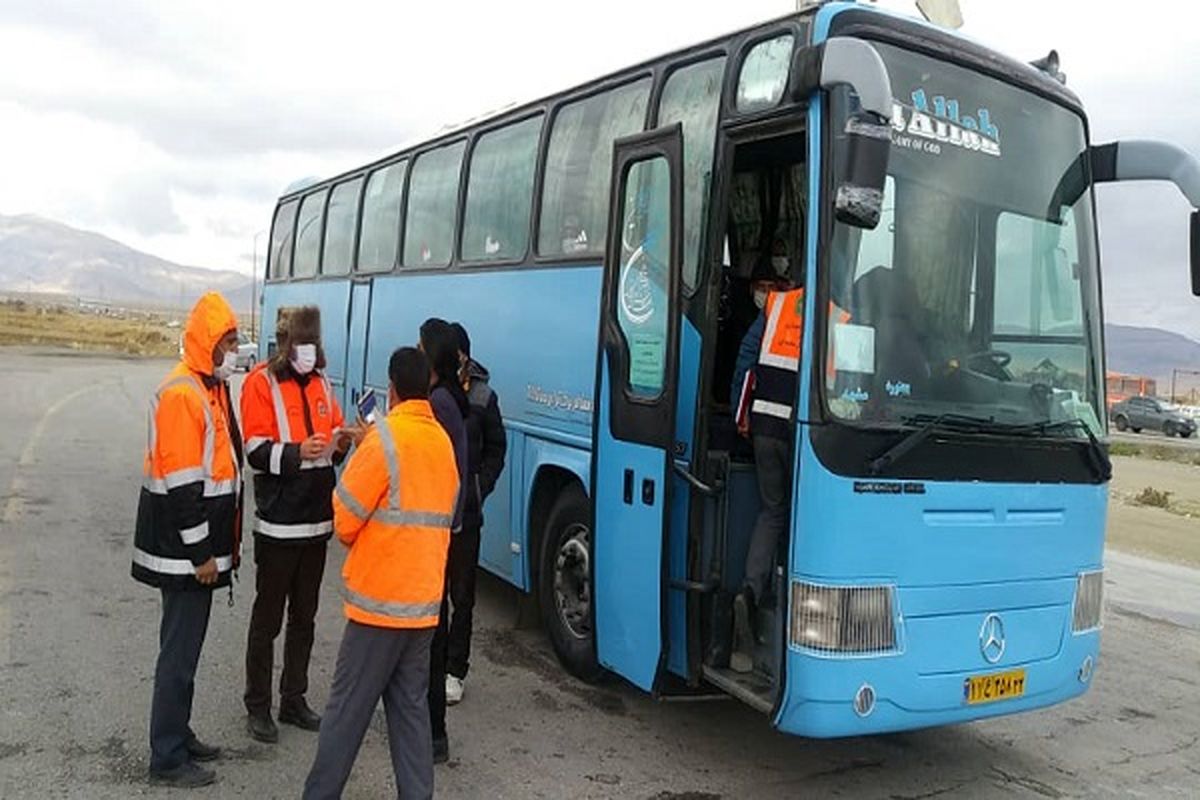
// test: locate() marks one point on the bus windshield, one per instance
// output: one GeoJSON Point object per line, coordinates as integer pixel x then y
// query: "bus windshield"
{"type": "Point", "coordinates": [977, 294]}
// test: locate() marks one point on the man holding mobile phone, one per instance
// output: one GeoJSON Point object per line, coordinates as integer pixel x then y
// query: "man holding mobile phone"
{"type": "Point", "coordinates": [294, 438]}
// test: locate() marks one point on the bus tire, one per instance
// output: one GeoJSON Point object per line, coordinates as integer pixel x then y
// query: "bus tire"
{"type": "Point", "coordinates": [565, 587]}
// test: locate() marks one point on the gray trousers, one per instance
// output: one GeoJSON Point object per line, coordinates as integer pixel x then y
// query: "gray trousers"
{"type": "Point", "coordinates": [391, 663]}
{"type": "Point", "coordinates": [773, 464]}
{"type": "Point", "coordinates": [180, 637]}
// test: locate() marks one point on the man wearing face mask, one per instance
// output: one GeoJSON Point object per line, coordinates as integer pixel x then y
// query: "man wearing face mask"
{"type": "Point", "coordinates": [294, 437]}
{"type": "Point", "coordinates": [188, 526]}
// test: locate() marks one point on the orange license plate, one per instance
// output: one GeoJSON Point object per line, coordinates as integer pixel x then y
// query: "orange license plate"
{"type": "Point", "coordinates": [997, 686]}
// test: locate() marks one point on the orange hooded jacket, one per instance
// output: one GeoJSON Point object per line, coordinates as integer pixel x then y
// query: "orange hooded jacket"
{"type": "Point", "coordinates": [189, 509]}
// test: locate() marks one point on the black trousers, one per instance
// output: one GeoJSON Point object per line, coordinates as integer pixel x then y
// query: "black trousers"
{"type": "Point", "coordinates": [461, 569]}
{"type": "Point", "coordinates": [392, 663]}
{"type": "Point", "coordinates": [180, 638]}
{"type": "Point", "coordinates": [286, 574]}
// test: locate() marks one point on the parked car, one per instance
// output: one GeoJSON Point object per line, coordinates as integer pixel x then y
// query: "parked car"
{"type": "Point", "coordinates": [247, 352]}
{"type": "Point", "coordinates": [1151, 413]}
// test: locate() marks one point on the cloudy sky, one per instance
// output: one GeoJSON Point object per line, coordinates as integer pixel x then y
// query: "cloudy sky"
{"type": "Point", "coordinates": [173, 126]}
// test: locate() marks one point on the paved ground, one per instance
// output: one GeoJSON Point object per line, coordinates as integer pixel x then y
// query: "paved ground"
{"type": "Point", "coordinates": [78, 639]}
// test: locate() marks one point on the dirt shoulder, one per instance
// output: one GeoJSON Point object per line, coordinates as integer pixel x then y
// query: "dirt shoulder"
{"type": "Point", "coordinates": [61, 326]}
{"type": "Point", "coordinates": [1154, 509]}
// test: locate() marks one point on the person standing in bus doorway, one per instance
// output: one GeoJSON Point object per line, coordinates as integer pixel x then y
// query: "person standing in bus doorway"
{"type": "Point", "coordinates": [294, 437]}
{"type": "Point", "coordinates": [450, 407]}
{"type": "Point", "coordinates": [393, 508]}
{"type": "Point", "coordinates": [188, 527]}
{"type": "Point", "coordinates": [486, 448]}
{"type": "Point", "coordinates": [764, 392]}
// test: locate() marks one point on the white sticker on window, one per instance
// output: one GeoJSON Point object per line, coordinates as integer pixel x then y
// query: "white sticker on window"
{"type": "Point", "coordinates": [854, 348]}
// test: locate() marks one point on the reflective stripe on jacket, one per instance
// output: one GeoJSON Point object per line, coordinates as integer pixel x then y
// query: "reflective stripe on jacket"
{"type": "Point", "coordinates": [393, 507]}
{"type": "Point", "coordinates": [293, 496]}
{"type": "Point", "coordinates": [188, 507]}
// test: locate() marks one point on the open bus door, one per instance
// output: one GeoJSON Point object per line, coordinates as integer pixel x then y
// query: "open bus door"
{"type": "Point", "coordinates": [357, 316]}
{"type": "Point", "coordinates": [636, 387]}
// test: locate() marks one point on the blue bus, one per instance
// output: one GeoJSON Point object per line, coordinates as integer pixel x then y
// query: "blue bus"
{"type": "Point", "coordinates": [944, 556]}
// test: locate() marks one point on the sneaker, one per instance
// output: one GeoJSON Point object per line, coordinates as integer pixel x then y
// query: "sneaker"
{"type": "Point", "coordinates": [742, 658]}
{"type": "Point", "coordinates": [454, 690]}
{"type": "Point", "coordinates": [187, 775]}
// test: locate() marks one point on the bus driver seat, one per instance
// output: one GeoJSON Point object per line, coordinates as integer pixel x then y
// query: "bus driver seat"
{"type": "Point", "coordinates": [886, 300]}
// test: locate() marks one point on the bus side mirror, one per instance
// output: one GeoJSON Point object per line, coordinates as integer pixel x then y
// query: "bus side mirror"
{"type": "Point", "coordinates": [1195, 253]}
{"type": "Point", "coordinates": [856, 64]}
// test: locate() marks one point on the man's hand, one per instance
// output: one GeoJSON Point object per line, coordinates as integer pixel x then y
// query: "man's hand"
{"type": "Point", "coordinates": [351, 434]}
{"type": "Point", "coordinates": [206, 573]}
{"type": "Point", "coordinates": [743, 429]}
{"type": "Point", "coordinates": [313, 447]}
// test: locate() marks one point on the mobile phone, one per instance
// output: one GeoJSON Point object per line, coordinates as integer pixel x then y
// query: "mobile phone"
{"type": "Point", "coordinates": [366, 405]}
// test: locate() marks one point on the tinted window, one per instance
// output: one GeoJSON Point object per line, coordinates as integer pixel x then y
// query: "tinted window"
{"type": "Point", "coordinates": [308, 235]}
{"type": "Point", "coordinates": [764, 74]}
{"type": "Point", "coordinates": [579, 165]}
{"type": "Point", "coordinates": [279, 259]}
{"type": "Point", "coordinates": [340, 223]}
{"type": "Point", "coordinates": [432, 202]}
{"type": "Point", "coordinates": [692, 96]}
{"type": "Point", "coordinates": [381, 218]}
{"type": "Point", "coordinates": [500, 193]}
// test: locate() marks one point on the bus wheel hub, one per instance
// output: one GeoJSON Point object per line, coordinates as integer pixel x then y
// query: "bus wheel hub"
{"type": "Point", "coordinates": [573, 582]}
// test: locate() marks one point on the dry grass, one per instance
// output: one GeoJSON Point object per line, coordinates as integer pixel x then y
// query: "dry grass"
{"type": "Point", "coordinates": [1155, 509]}
{"type": "Point", "coordinates": [58, 326]}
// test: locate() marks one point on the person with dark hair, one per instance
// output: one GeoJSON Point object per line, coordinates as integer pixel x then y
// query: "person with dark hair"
{"type": "Point", "coordinates": [294, 437]}
{"type": "Point", "coordinates": [486, 448]}
{"type": "Point", "coordinates": [393, 509]}
{"type": "Point", "coordinates": [449, 401]}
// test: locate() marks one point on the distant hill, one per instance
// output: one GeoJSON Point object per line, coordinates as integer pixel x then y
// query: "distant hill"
{"type": "Point", "coordinates": [1152, 352]}
{"type": "Point", "coordinates": [49, 258]}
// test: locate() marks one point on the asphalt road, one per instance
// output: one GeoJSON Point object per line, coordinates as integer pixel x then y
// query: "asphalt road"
{"type": "Point", "coordinates": [78, 642]}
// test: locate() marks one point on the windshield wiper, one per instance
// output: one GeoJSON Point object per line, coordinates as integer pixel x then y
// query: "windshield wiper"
{"type": "Point", "coordinates": [1097, 456]}
{"type": "Point", "coordinates": [929, 425]}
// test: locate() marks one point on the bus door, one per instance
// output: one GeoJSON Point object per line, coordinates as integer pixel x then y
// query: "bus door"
{"type": "Point", "coordinates": [636, 387]}
{"type": "Point", "coordinates": [357, 317]}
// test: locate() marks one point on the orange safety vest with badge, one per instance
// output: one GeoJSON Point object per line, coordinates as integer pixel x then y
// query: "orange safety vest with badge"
{"type": "Point", "coordinates": [189, 507]}
{"type": "Point", "coordinates": [393, 507]}
{"type": "Point", "coordinates": [775, 376]}
{"type": "Point", "coordinates": [293, 496]}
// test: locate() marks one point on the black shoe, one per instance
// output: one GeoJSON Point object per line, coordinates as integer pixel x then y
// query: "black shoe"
{"type": "Point", "coordinates": [186, 776]}
{"type": "Point", "coordinates": [262, 727]}
{"type": "Point", "coordinates": [298, 713]}
{"type": "Point", "coordinates": [441, 750]}
{"type": "Point", "coordinates": [742, 659]}
{"type": "Point", "coordinates": [199, 751]}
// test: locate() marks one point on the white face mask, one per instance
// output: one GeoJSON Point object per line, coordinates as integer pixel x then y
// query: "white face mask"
{"type": "Point", "coordinates": [760, 298]}
{"type": "Point", "coordinates": [224, 370]}
{"type": "Point", "coordinates": [781, 263]}
{"type": "Point", "coordinates": [304, 358]}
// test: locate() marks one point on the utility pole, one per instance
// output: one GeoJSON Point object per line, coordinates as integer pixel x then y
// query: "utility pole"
{"type": "Point", "coordinates": [1175, 372]}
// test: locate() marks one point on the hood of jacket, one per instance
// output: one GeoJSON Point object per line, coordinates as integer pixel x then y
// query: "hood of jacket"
{"type": "Point", "coordinates": [477, 372]}
{"type": "Point", "coordinates": [210, 320]}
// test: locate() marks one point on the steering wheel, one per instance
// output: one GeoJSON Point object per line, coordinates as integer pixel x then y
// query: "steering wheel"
{"type": "Point", "coordinates": [997, 362]}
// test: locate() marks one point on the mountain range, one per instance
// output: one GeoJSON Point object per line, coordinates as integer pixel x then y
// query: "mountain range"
{"type": "Point", "coordinates": [44, 257]}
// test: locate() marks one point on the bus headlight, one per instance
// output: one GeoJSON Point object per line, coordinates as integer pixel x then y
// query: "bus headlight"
{"type": "Point", "coordinates": [1089, 601]}
{"type": "Point", "coordinates": [857, 620]}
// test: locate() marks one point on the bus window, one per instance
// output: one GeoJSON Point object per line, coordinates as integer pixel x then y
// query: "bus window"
{"type": "Point", "coordinates": [279, 258]}
{"type": "Point", "coordinates": [381, 218]}
{"type": "Point", "coordinates": [339, 228]}
{"type": "Point", "coordinates": [308, 235]}
{"type": "Point", "coordinates": [764, 74]}
{"type": "Point", "coordinates": [692, 96]}
{"type": "Point", "coordinates": [432, 201]}
{"type": "Point", "coordinates": [500, 193]}
{"type": "Point", "coordinates": [578, 168]}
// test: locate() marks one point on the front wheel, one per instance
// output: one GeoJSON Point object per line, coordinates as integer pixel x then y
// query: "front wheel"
{"type": "Point", "coordinates": [565, 584]}
{"type": "Point", "coordinates": [1185, 434]}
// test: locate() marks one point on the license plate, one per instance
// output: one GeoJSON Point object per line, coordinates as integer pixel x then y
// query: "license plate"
{"type": "Point", "coordinates": [997, 686]}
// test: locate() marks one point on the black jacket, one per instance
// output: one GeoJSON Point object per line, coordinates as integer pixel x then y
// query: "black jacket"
{"type": "Point", "coordinates": [486, 443]}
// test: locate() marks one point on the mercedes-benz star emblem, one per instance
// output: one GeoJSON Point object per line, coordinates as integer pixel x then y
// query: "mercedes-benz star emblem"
{"type": "Point", "coordinates": [991, 638]}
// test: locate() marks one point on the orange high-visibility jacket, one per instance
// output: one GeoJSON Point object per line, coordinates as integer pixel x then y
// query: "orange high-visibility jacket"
{"type": "Point", "coordinates": [189, 506]}
{"type": "Point", "coordinates": [293, 496]}
{"type": "Point", "coordinates": [393, 508]}
{"type": "Point", "coordinates": [779, 361]}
